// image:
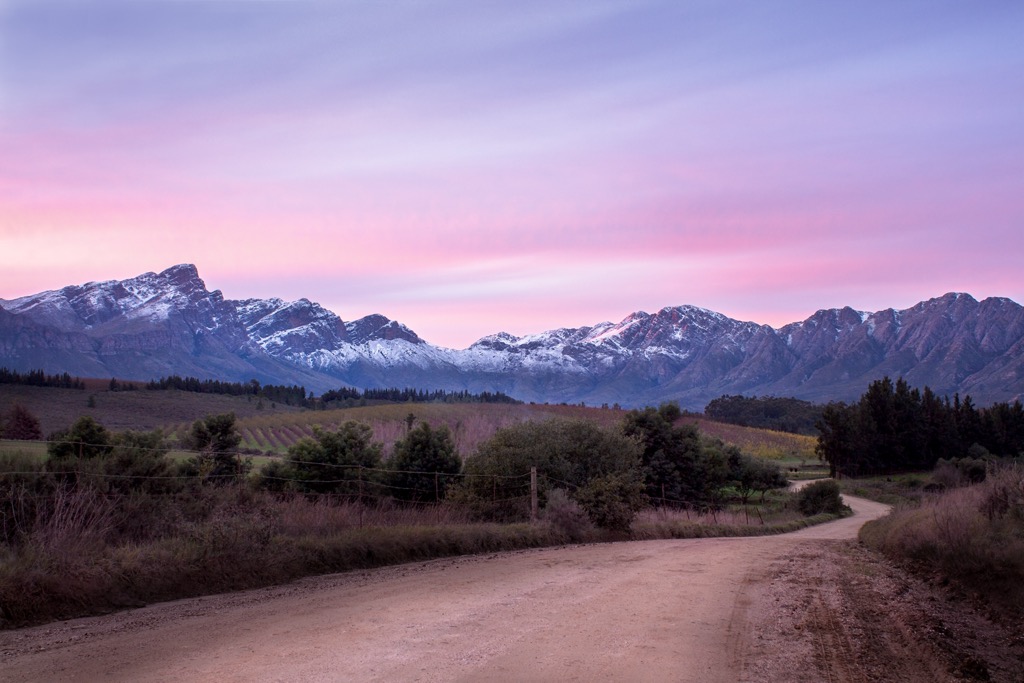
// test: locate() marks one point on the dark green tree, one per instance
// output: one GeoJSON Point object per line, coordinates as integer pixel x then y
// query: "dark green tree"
{"type": "Point", "coordinates": [343, 461]}
{"type": "Point", "coordinates": [568, 454]}
{"type": "Point", "coordinates": [751, 475]}
{"type": "Point", "coordinates": [837, 440]}
{"type": "Point", "coordinates": [679, 467]}
{"type": "Point", "coordinates": [85, 438]}
{"type": "Point", "coordinates": [424, 464]}
{"type": "Point", "coordinates": [216, 437]}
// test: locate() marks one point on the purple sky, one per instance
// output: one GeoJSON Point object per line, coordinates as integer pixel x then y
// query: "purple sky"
{"type": "Point", "coordinates": [468, 167]}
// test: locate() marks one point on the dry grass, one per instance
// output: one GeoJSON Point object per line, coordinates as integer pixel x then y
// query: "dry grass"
{"type": "Point", "coordinates": [85, 553]}
{"type": "Point", "coordinates": [973, 536]}
{"type": "Point", "coordinates": [140, 410]}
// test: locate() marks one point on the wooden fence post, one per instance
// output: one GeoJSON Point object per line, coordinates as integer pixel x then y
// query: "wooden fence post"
{"type": "Point", "coordinates": [533, 494]}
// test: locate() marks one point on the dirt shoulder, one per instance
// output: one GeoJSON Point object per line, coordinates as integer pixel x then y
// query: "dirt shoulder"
{"type": "Point", "coordinates": [836, 611]}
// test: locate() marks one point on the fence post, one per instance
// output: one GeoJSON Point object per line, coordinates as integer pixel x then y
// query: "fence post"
{"type": "Point", "coordinates": [533, 494]}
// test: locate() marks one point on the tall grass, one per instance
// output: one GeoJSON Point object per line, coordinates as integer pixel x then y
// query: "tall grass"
{"type": "Point", "coordinates": [973, 536]}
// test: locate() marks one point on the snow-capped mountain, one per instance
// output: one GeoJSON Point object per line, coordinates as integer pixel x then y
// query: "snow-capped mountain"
{"type": "Point", "coordinates": [167, 323]}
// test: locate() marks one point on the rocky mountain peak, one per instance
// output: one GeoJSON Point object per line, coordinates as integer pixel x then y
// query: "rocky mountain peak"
{"type": "Point", "coordinates": [377, 327]}
{"type": "Point", "coordinates": [169, 323]}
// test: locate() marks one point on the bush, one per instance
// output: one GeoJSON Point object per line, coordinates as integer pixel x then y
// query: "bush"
{"type": "Point", "coordinates": [613, 500]}
{"type": "Point", "coordinates": [565, 452]}
{"type": "Point", "coordinates": [820, 497]}
{"type": "Point", "coordinates": [566, 518]}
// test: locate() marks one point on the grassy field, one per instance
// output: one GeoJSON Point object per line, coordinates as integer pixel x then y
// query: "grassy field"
{"type": "Point", "coordinates": [470, 423]}
{"type": "Point", "coordinates": [795, 449]}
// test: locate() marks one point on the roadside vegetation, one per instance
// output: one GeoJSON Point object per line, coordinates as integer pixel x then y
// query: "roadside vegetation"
{"type": "Point", "coordinates": [955, 476]}
{"type": "Point", "coordinates": [96, 519]}
{"type": "Point", "coordinates": [971, 535]}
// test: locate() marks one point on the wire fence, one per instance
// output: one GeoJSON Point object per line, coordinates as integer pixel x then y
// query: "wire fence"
{"type": "Point", "coordinates": [355, 482]}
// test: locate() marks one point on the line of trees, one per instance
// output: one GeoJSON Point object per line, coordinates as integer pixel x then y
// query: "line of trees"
{"type": "Point", "coordinates": [410, 395]}
{"type": "Point", "coordinates": [289, 395]}
{"type": "Point", "coordinates": [766, 412]}
{"type": "Point", "coordinates": [38, 378]}
{"type": "Point", "coordinates": [895, 428]}
{"type": "Point", "coordinates": [343, 396]}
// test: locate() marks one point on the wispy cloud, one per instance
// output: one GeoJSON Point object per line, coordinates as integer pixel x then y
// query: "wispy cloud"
{"type": "Point", "coordinates": [467, 167]}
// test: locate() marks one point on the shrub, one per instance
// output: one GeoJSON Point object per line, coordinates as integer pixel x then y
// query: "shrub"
{"type": "Point", "coordinates": [20, 425]}
{"type": "Point", "coordinates": [420, 463]}
{"type": "Point", "coordinates": [566, 518]}
{"type": "Point", "coordinates": [613, 500]}
{"type": "Point", "coordinates": [821, 496]}
{"type": "Point", "coordinates": [565, 452]}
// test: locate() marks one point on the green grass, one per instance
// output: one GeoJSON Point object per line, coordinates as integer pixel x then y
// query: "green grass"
{"type": "Point", "coordinates": [895, 490]}
{"type": "Point", "coordinates": [762, 443]}
{"type": "Point", "coordinates": [34, 449]}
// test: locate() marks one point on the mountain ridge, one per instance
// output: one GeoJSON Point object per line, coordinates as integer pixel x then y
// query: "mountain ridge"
{"type": "Point", "coordinates": [158, 324]}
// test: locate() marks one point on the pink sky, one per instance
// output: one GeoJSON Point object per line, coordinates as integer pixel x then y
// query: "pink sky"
{"type": "Point", "coordinates": [468, 170]}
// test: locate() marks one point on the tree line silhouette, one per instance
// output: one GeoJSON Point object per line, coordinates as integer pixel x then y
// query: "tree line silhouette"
{"type": "Point", "coordinates": [38, 378]}
{"type": "Point", "coordinates": [895, 428]}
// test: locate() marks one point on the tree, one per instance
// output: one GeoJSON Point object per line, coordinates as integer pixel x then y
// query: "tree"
{"type": "Point", "coordinates": [21, 425]}
{"type": "Point", "coordinates": [567, 454]}
{"type": "Point", "coordinates": [679, 467]}
{"type": "Point", "coordinates": [836, 440]}
{"type": "Point", "coordinates": [423, 464]}
{"type": "Point", "coordinates": [342, 461]}
{"type": "Point", "coordinates": [216, 438]}
{"type": "Point", "coordinates": [85, 439]}
{"type": "Point", "coordinates": [753, 475]}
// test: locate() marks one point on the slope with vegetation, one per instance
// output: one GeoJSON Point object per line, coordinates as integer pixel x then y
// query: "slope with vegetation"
{"type": "Point", "coordinates": [955, 474]}
{"type": "Point", "coordinates": [971, 535]}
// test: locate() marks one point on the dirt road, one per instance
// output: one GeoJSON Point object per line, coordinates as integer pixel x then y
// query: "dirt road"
{"type": "Point", "coordinates": [696, 610]}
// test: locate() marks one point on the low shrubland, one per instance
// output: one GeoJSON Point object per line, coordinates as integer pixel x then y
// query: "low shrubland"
{"type": "Point", "coordinates": [109, 520]}
{"type": "Point", "coordinates": [972, 536]}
